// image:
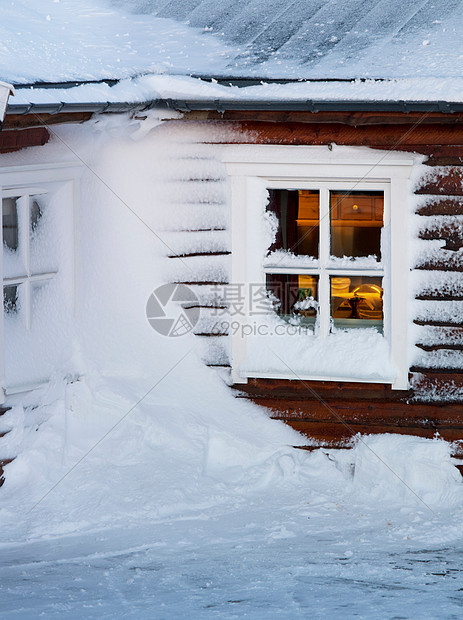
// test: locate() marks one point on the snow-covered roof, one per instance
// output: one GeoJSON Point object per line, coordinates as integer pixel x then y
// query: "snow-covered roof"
{"type": "Point", "coordinates": [326, 38]}
{"type": "Point", "coordinates": [405, 49]}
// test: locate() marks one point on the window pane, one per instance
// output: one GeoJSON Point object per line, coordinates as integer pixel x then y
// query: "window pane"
{"type": "Point", "coordinates": [357, 301]}
{"type": "Point", "coordinates": [10, 299]}
{"type": "Point", "coordinates": [297, 212]}
{"type": "Point", "coordinates": [45, 239]}
{"type": "Point", "coordinates": [296, 296]}
{"type": "Point", "coordinates": [308, 220]}
{"type": "Point", "coordinates": [35, 214]}
{"type": "Point", "coordinates": [10, 223]}
{"type": "Point", "coordinates": [356, 222]}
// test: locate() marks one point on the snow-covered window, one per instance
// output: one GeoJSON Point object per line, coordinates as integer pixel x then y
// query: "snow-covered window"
{"type": "Point", "coordinates": [323, 234]}
{"type": "Point", "coordinates": [23, 227]}
{"type": "Point", "coordinates": [39, 209]}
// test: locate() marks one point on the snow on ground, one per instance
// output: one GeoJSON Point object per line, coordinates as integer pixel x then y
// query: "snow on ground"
{"type": "Point", "coordinates": [142, 488]}
{"type": "Point", "coordinates": [301, 535]}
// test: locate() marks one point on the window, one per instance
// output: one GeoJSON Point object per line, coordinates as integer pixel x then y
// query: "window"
{"type": "Point", "coordinates": [23, 211]}
{"type": "Point", "coordinates": [39, 205]}
{"type": "Point", "coordinates": [324, 232]}
{"type": "Point", "coordinates": [340, 234]}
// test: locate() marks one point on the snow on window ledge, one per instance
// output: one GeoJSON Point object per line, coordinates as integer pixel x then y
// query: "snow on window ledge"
{"type": "Point", "coordinates": [284, 258]}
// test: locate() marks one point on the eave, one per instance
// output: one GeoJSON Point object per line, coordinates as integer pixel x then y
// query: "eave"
{"type": "Point", "coordinates": [223, 105]}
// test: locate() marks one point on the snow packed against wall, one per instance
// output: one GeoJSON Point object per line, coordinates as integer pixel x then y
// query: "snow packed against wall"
{"type": "Point", "coordinates": [133, 426]}
{"type": "Point", "coordinates": [189, 432]}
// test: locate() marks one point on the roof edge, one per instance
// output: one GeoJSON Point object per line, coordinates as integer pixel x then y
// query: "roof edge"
{"type": "Point", "coordinates": [220, 105]}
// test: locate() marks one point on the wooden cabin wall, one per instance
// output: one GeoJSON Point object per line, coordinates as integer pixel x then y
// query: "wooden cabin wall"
{"type": "Point", "coordinates": [330, 413]}
{"type": "Point", "coordinates": [23, 131]}
{"type": "Point", "coordinates": [195, 189]}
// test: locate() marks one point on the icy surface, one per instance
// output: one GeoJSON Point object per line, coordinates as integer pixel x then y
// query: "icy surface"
{"type": "Point", "coordinates": [323, 534]}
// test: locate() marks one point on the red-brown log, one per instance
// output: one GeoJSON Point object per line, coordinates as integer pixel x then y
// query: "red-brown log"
{"type": "Point", "coordinates": [354, 119]}
{"type": "Point", "coordinates": [442, 206]}
{"type": "Point", "coordinates": [15, 140]}
{"type": "Point", "coordinates": [22, 121]}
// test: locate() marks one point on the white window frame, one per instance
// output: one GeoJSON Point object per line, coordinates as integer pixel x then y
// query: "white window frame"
{"type": "Point", "coordinates": [255, 168]}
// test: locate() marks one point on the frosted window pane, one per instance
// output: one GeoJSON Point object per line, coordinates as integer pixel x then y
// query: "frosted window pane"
{"type": "Point", "coordinates": [44, 240]}
{"type": "Point", "coordinates": [35, 215]}
{"type": "Point", "coordinates": [295, 297]}
{"type": "Point", "coordinates": [11, 299]}
{"type": "Point", "coordinates": [10, 223]}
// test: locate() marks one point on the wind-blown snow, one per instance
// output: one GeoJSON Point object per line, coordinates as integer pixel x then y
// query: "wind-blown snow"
{"type": "Point", "coordinates": [136, 467]}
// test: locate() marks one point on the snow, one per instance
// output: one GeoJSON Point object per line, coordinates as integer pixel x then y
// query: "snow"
{"type": "Point", "coordinates": [143, 488]}
{"type": "Point", "coordinates": [202, 241]}
{"type": "Point", "coordinates": [435, 390]}
{"type": "Point", "coordinates": [88, 40]}
{"type": "Point", "coordinates": [199, 269]}
{"type": "Point", "coordinates": [285, 258]}
{"type": "Point", "coordinates": [439, 359]}
{"type": "Point", "coordinates": [429, 282]}
{"type": "Point", "coordinates": [148, 88]}
{"type": "Point", "coordinates": [430, 335]}
{"type": "Point", "coordinates": [324, 534]}
{"type": "Point", "coordinates": [276, 348]}
{"type": "Point", "coordinates": [94, 39]}
{"type": "Point", "coordinates": [441, 311]}
{"type": "Point", "coordinates": [154, 56]}
{"type": "Point", "coordinates": [355, 262]}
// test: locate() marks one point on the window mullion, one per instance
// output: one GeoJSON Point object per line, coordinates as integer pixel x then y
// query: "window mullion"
{"type": "Point", "coordinates": [27, 303]}
{"type": "Point", "coordinates": [324, 291]}
{"type": "Point", "coordinates": [24, 226]}
{"type": "Point", "coordinates": [24, 232]}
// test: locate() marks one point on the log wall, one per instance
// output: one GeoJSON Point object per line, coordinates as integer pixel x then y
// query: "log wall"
{"type": "Point", "coordinates": [332, 413]}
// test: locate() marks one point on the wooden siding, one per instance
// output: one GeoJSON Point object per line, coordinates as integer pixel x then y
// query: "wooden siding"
{"type": "Point", "coordinates": [23, 131]}
{"type": "Point", "coordinates": [14, 140]}
{"type": "Point", "coordinates": [332, 413]}
{"type": "Point", "coordinates": [329, 412]}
